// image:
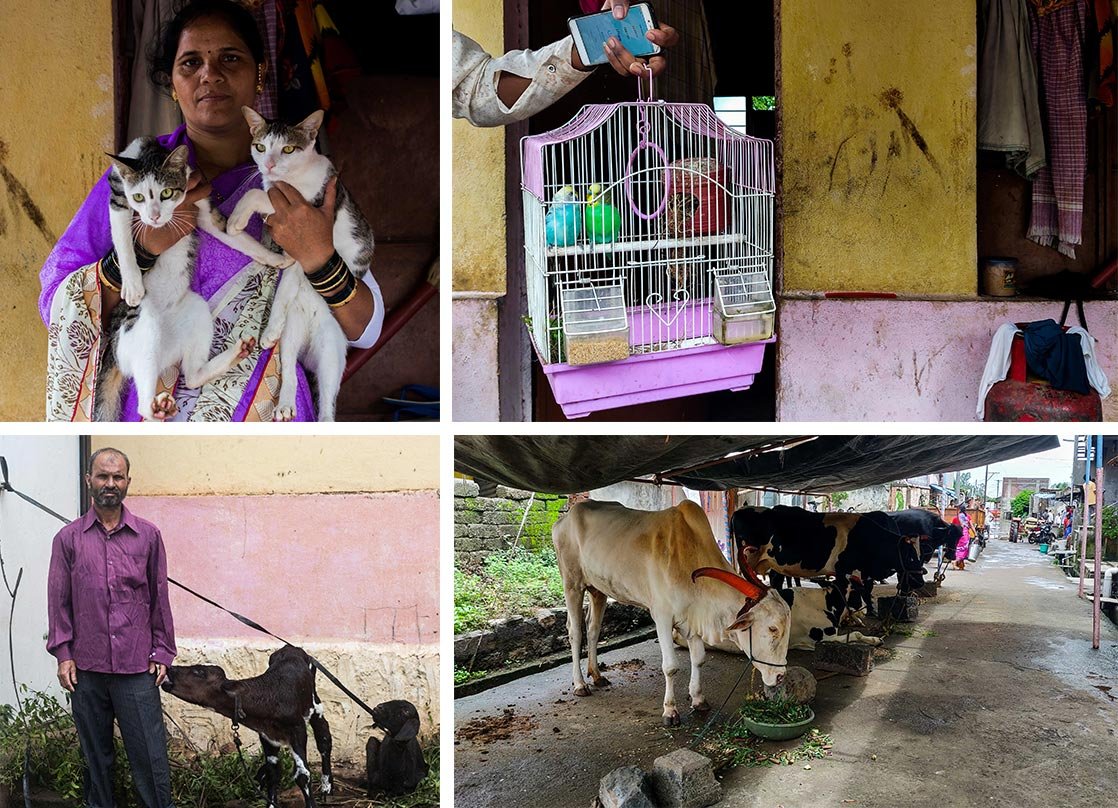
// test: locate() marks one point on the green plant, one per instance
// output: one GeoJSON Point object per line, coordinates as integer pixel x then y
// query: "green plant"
{"type": "Point", "coordinates": [512, 582]}
{"type": "Point", "coordinates": [461, 675]}
{"type": "Point", "coordinates": [764, 103]}
{"type": "Point", "coordinates": [775, 711]}
{"type": "Point", "coordinates": [839, 497]}
{"type": "Point", "coordinates": [1020, 503]}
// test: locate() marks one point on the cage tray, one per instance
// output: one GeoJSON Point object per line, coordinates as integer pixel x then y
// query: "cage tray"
{"type": "Point", "coordinates": [583, 389]}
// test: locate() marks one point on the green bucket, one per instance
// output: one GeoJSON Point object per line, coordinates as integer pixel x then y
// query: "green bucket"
{"type": "Point", "coordinates": [1044, 549]}
{"type": "Point", "coordinates": [779, 732]}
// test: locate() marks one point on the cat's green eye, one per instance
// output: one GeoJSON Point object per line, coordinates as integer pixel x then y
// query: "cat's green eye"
{"type": "Point", "coordinates": [137, 197]}
{"type": "Point", "coordinates": [167, 193]}
{"type": "Point", "coordinates": [288, 149]}
{"type": "Point", "coordinates": [259, 147]}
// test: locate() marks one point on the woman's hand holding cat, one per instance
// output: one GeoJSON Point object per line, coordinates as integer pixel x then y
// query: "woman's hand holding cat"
{"type": "Point", "coordinates": [157, 240]}
{"type": "Point", "coordinates": [305, 232]}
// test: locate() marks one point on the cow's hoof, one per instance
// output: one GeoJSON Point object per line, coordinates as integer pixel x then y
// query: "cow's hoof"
{"type": "Point", "coordinates": [601, 681]}
{"type": "Point", "coordinates": [671, 719]}
{"type": "Point", "coordinates": [582, 690]}
{"type": "Point", "coordinates": [701, 706]}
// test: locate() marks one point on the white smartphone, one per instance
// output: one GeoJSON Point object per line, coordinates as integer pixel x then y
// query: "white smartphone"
{"type": "Point", "coordinates": [591, 31]}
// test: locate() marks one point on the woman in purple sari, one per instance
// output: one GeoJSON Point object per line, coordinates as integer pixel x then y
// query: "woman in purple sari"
{"type": "Point", "coordinates": [212, 58]}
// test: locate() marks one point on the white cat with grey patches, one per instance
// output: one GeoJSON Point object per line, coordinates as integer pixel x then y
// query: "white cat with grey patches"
{"type": "Point", "coordinates": [300, 320]}
{"type": "Point", "coordinates": [172, 325]}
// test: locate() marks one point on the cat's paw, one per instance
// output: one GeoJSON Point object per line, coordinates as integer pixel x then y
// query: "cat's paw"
{"type": "Point", "coordinates": [284, 414]}
{"type": "Point", "coordinates": [244, 347]}
{"type": "Point", "coordinates": [163, 407]}
{"type": "Point", "coordinates": [132, 291]}
{"type": "Point", "coordinates": [237, 222]}
{"type": "Point", "coordinates": [269, 338]}
{"type": "Point", "coordinates": [277, 260]}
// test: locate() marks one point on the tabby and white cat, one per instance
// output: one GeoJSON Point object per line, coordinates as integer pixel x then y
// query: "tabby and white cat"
{"type": "Point", "coordinates": [300, 319]}
{"type": "Point", "coordinates": [172, 325]}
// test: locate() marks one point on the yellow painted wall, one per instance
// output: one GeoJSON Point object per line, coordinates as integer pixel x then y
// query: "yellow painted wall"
{"type": "Point", "coordinates": [277, 465]}
{"type": "Point", "coordinates": [56, 119]}
{"type": "Point", "coordinates": [878, 104]}
{"type": "Point", "coordinates": [479, 171]}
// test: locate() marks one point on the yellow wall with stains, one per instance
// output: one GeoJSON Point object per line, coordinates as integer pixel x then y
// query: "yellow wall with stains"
{"type": "Point", "coordinates": [479, 171]}
{"type": "Point", "coordinates": [182, 466]}
{"type": "Point", "coordinates": [878, 105]}
{"type": "Point", "coordinates": [56, 119]}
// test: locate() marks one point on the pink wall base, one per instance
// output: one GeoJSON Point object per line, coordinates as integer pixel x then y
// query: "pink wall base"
{"type": "Point", "coordinates": [891, 360]}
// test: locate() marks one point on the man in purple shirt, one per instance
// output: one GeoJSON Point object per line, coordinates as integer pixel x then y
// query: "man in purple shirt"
{"type": "Point", "coordinates": [111, 631]}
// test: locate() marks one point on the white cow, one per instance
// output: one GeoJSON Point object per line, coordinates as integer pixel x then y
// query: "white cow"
{"type": "Point", "coordinates": [669, 563]}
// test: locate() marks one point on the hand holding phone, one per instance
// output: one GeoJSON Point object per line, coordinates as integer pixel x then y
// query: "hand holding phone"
{"type": "Point", "coordinates": [591, 33]}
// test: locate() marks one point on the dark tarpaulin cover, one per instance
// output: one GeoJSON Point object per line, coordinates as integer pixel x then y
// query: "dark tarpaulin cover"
{"type": "Point", "coordinates": [567, 464]}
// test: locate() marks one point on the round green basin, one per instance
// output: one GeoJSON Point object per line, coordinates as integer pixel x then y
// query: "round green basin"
{"type": "Point", "coordinates": [779, 732]}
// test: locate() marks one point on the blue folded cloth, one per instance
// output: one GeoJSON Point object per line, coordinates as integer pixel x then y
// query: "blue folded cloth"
{"type": "Point", "coordinates": [1056, 356]}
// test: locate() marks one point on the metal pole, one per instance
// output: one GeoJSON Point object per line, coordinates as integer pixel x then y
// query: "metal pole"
{"type": "Point", "coordinates": [1083, 519]}
{"type": "Point", "coordinates": [1096, 623]}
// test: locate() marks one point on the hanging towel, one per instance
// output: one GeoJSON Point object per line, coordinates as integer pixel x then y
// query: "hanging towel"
{"type": "Point", "coordinates": [997, 364]}
{"type": "Point", "coordinates": [1009, 118]}
{"type": "Point", "coordinates": [151, 111]}
{"type": "Point", "coordinates": [1059, 31]}
{"type": "Point", "coordinates": [1094, 371]}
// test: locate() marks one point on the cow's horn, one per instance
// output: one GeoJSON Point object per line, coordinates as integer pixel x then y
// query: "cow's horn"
{"type": "Point", "coordinates": [751, 576]}
{"type": "Point", "coordinates": [752, 590]}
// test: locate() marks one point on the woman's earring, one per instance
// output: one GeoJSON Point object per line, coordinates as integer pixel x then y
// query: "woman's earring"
{"type": "Point", "coordinates": [260, 81]}
{"type": "Point", "coordinates": [174, 96]}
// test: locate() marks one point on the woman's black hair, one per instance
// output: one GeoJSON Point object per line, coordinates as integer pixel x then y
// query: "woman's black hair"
{"type": "Point", "coordinates": [161, 60]}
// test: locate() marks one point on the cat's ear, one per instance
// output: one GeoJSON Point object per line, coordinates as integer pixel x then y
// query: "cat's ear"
{"type": "Point", "coordinates": [126, 166]}
{"type": "Point", "coordinates": [255, 120]}
{"type": "Point", "coordinates": [311, 124]}
{"type": "Point", "coordinates": [176, 160]}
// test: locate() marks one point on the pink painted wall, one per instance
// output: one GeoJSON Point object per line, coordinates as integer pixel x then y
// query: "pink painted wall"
{"type": "Point", "coordinates": [321, 567]}
{"type": "Point", "coordinates": [891, 360]}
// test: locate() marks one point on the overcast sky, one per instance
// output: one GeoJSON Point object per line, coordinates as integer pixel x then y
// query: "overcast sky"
{"type": "Point", "coordinates": [1055, 464]}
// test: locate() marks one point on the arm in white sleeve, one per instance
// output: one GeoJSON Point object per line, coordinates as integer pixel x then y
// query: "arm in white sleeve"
{"type": "Point", "coordinates": [476, 73]}
{"type": "Point", "coordinates": [372, 331]}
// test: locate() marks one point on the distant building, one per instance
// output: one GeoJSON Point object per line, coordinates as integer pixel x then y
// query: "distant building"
{"type": "Point", "coordinates": [1012, 486]}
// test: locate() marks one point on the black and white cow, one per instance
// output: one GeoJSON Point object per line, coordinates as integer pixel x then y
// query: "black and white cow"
{"type": "Point", "coordinates": [932, 531]}
{"type": "Point", "coordinates": [856, 548]}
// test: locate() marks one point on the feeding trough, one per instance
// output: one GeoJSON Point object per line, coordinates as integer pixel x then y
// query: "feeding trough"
{"type": "Point", "coordinates": [764, 721]}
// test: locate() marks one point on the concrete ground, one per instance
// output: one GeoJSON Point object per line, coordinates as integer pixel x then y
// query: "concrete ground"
{"type": "Point", "coordinates": [996, 699]}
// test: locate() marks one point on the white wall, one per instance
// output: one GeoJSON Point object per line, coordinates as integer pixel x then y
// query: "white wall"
{"type": "Point", "coordinates": [638, 496]}
{"type": "Point", "coordinates": [45, 469]}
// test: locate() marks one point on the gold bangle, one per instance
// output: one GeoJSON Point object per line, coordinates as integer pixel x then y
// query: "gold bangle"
{"type": "Point", "coordinates": [348, 298]}
{"type": "Point", "coordinates": [105, 281]}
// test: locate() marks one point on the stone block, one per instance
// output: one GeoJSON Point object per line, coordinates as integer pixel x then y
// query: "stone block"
{"type": "Point", "coordinates": [509, 517]}
{"type": "Point", "coordinates": [684, 779]}
{"type": "Point", "coordinates": [504, 492]}
{"type": "Point", "coordinates": [903, 609]}
{"type": "Point", "coordinates": [467, 518]}
{"type": "Point", "coordinates": [853, 658]}
{"type": "Point", "coordinates": [483, 532]}
{"type": "Point", "coordinates": [626, 787]}
{"type": "Point", "coordinates": [465, 488]}
{"type": "Point", "coordinates": [928, 590]}
{"type": "Point", "coordinates": [799, 685]}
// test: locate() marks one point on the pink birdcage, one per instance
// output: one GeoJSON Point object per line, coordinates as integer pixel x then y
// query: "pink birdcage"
{"type": "Point", "coordinates": [648, 232]}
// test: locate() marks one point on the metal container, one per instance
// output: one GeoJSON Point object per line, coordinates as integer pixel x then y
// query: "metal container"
{"type": "Point", "coordinates": [973, 551]}
{"type": "Point", "coordinates": [999, 277]}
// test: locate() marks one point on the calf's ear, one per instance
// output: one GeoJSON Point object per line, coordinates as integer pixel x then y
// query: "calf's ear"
{"type": "Point", "coordinates": [408, 731]}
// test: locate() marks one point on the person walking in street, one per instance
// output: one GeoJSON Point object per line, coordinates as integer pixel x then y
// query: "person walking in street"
{"type": "Point", "coordinates": [963, 547]}
{"type": "Point", "coordinates": [110, 629]}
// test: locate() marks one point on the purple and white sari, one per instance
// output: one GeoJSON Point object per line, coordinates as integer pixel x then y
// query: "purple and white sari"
{"type": "Point", "coordinates": [70, 305]}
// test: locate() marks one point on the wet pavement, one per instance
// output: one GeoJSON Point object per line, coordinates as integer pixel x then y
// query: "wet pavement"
{"type": "Point", "coordinates": [995, 699]}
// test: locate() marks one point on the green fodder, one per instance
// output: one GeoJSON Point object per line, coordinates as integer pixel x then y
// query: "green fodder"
{"type": "Point", "coordinates": [512, 582]}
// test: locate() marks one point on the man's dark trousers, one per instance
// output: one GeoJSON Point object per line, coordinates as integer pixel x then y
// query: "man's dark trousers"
{"type": "Point", "coordinates": [133, 699]}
